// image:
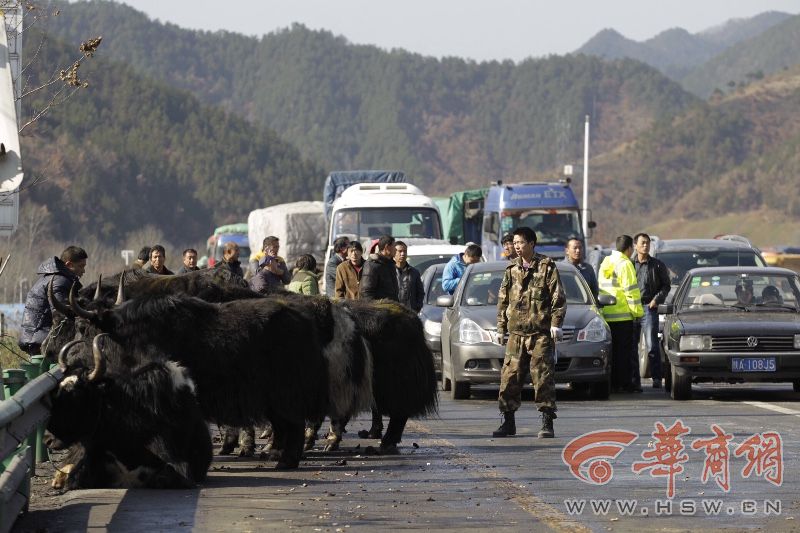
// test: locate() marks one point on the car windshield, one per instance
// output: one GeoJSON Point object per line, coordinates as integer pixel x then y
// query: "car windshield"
{"type": "Point", "coordinates": [482, 288]}
{"type": "Point", "coordinates": [399, 222]}
{"type": "Point", "coordinates": [244, 252]}
{"type": "Point", "coordinates": [435, 290]}
{"type": "Point", "coordinates": [712, 292]}
{"type": "Point", "coordinates": [422, 262]}
{"type": "Point", "coordinates": [552, 226]}
{"type": "Point", "coordinates": [679, 263]}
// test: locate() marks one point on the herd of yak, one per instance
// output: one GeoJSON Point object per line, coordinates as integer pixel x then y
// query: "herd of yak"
{"type": "Point", "coordinates": [149, 361]}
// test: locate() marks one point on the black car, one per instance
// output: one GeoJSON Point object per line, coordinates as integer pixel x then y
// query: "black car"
{"type": "Point", "coordinates": [430, 314]}
{"type": "Point", "coordinates": [681, 255]}
{"type": "Point", "coordinates": [733, 325]}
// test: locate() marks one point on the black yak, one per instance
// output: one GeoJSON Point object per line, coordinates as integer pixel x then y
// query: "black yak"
{"type": "Point", "coordinates": [252, 360]}
{"type": "Point", "coordinates": [128, 423]}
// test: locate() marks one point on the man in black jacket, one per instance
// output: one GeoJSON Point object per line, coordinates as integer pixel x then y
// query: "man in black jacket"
{"type": "Point", "coordinates": [38, 316]}
{"type": "Point", "coordinates": [378, 281]}
{"type": "Point", "coordinates": [411, 292]}
{"type": "Point", "coordinates": [652, 277]}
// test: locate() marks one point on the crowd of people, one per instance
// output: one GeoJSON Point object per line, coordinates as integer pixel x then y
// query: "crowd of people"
{"type": "Point", "coordinates": [531, 304]}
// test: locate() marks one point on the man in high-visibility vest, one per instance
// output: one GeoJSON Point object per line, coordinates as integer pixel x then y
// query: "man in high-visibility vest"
{"type": "Point", "coordinates": [617, 277]}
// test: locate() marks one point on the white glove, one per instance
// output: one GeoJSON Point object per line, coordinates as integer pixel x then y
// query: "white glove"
{"type": "Point", "coordinates": [556, 333]}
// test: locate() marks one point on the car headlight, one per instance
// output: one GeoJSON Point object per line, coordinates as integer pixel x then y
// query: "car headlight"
{"type": "Point", "coordinates": [432, 328]}
{"type": "Point", "coordinates": [471, 333]}
{"type": "Point", "coordinates": [595, 331]}
{"type": "Point", "coordinates": [797, 342]}
{"type": "Point", "coordinates": [695, 343]}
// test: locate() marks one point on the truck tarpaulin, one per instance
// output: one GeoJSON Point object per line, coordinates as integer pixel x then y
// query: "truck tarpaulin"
{"type": "Point", "coordinates": [298, 225]}
{"type": "Point", "coordinates": [337, 182]}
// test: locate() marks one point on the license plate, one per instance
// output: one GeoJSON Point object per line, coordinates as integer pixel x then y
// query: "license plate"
{"type": "Point", "coordinates": [753, 364]}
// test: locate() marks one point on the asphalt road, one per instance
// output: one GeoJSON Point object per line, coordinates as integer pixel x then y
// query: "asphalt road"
{"type": "Point", "coordinates": [451, 475]}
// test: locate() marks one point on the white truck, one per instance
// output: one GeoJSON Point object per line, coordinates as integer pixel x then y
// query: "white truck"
{"type": "Point", "coordinates": [365, 211]}
{"type": "Point", "coordinates": [298, 225]}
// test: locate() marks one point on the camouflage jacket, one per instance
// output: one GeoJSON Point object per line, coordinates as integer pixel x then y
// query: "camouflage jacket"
{"type": "Point", "coordinates": [530, 301]}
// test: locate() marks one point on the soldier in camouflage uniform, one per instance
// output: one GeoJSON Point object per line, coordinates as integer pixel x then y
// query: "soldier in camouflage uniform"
{"type": "Point", "coordinates": [531, 307]}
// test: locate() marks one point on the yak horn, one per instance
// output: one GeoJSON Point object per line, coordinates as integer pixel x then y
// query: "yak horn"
{"type": "Point", "coordinates": [62, 354]}
{"type": "Point", "coordinates": [99, 369]}
{"type": "Point", "coordinates": [97, 292]}
{"type": "Point", "coordinates": [121, 290]}
{"type": "Point", "coordinates": [55, 303]}
{"type": "Point", "coordinates": [81, 312]}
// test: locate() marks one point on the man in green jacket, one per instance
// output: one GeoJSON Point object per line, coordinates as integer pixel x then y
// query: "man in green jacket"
{"type": "Point", "coordinates": [617, 277]}
{"type": "Point", "coordinates": [531, 306]}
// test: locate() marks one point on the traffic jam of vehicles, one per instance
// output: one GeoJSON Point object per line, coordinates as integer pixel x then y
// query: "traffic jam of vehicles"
{"type": "Point", "coordinates": [725, 318]}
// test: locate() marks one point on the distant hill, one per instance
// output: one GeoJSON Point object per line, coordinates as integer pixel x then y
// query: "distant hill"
{"type": "Point", "coordinates": [128, 152]}
{"type": "Point", "coordinates": [449, 123]}
{"type": "Point", "coordinates": [763, 54]}
{"type": "Point", "coordinates": [683, 56]}
{"type": "Point", "coordinates": [736, 154]}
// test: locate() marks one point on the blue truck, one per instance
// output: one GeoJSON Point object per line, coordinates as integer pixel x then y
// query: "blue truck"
{"type": "Point", "coordinates": [550, 209]}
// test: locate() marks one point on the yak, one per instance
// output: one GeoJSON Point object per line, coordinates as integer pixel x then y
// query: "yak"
{"type": "Point", "coordinates": [127, 424]}
{"type": "Point", "coordinates": [403, 376]}
{"type": "Point", "coordinates": [252, 360]}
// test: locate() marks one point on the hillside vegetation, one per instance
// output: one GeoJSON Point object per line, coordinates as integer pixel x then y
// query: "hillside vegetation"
{"type": "Point", "coordinates": [449, 123]}
{"type": "Point", "coordinates": [128, 152]}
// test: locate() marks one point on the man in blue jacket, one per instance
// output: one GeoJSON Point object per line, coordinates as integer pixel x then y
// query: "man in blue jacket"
{"type": "Point", "coordinates": [454, 268]}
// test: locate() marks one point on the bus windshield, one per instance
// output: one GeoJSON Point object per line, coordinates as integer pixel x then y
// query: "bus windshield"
{"type": "Point", "coordinates": [552, 226]}
{"type": "Point", "coordinates": [399, 222]}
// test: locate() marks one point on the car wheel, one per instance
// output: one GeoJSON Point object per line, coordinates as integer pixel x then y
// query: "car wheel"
{"type": "Point", "coordinates": [460, 390]}
{"type": "Point", "coordinates": [600, 390]}
{"type": "Point", "coordinates": [644, 360]}
{"type": "Point", "coordinates": [681, 384]}
{"type": "Point", "coordinates": [667, 371]}
{"type": "Point", "coordinates": [796, 385]}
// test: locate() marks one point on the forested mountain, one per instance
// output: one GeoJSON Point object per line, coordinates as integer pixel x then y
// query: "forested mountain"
{"type": "Point", "coordinates": [449, 123]}
{"type": "Point", "coordinates": [763, 54]}
{"type": "Point", "coordinates": [708, 59]}
{"type": "Point", "coordinates": [736, 154]}
{"type": "Point", "coordinates": [128, 152]}
{"type": "Point", "coordinates": [174, 152]}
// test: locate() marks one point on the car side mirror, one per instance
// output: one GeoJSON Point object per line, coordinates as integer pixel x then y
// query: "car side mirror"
{"type": "Point", "coordinates": [445, 300]}
{"type": "Point", "coordinates": [606, 300]}
{"type": "Point", "coordinates": [666, 309]}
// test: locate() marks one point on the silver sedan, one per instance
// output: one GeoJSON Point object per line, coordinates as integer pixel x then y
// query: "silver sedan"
{"type": "Point", "coordinates": [470, 354]}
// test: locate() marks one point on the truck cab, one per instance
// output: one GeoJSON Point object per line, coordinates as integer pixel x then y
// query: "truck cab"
{"type": "Point", "coordinates": [215, 244]}
{"type": "Point", "coordinates": [550, 209]}
{"type": "Point", "coordinates": [366, 211]}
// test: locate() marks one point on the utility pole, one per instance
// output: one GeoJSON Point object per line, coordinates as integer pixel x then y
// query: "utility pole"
{"type": "Point", "coordinates": [585, 218]}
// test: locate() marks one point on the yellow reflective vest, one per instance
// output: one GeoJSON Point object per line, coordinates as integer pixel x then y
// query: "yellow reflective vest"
{"type": "Point", "coordinates": [617, 277]}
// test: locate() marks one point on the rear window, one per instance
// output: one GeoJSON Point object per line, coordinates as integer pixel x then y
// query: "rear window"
{"type": "Point", "coordinates": [435, 290]}
{"type": "Point", "coordinates": [679, 263]}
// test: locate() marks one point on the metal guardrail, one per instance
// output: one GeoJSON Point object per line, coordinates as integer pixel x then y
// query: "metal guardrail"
{"type": "Point", "coordinates": [22, 417]}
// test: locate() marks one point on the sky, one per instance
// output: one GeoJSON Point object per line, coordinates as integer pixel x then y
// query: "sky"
{"type": "Point", "coordinates": [480, 30]}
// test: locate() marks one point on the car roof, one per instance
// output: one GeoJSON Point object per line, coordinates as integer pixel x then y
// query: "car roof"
{"type": "Point", "coordinates": [700, 245]}
{"type": "Point", "coordinates": [751, 270]}
{"type": "Point", "coordinates": [494, 266]}
{"type": "Point", "coordinates": [435, 249]}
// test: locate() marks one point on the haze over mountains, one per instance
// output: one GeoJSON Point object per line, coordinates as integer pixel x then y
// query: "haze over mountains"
{"type": "Point", "coordinates": [731, 52]}
{"type": "Point", "coordinates": [230, 123]}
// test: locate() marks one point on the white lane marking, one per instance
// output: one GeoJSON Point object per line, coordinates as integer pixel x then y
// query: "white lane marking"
{"type": "Point", "coordinates": [776, 408]}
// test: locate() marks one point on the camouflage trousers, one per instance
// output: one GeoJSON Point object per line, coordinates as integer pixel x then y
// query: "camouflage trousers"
{"type": "Point", "coordinates": [528, 356]}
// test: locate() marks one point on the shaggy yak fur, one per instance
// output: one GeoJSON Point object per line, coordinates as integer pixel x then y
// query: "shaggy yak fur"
{"type": "Point", "coordinates": [344, 350]}
{"type": "Point", "coordinates": [403, 375]}
{"type": "Point", "coordinates": [252, 360]}
{"type": "Point", "coordinates": [129, 425]}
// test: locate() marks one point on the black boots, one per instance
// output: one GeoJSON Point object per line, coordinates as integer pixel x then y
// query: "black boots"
{"type": "Point", "coordinates": [548, 415]}
{"type": "Point", "coordinates": [508, 428]}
